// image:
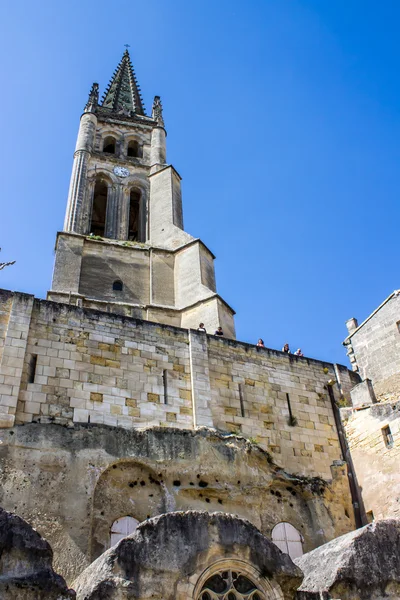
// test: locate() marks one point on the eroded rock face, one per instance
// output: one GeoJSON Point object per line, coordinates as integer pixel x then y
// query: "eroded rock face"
{"type": "Point", "coordinates": [73, 484]}
{"type": "Point", "coordinates": [361, 565]}
{"type": "Point", "coordinates": [26, 571]}
{"type": "Point", "coordinates": [171, 557]}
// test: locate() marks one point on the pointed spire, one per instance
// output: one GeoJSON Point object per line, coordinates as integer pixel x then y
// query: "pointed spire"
{"type": "Point", "coordinates": [93, 99]}
{"type": "Point", "coordinates": [156, 113]}
{"type": "Point", "coordinates": [123, 92]}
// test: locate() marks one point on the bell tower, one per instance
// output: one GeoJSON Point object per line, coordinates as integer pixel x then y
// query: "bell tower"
{"type": "Point", "coordinates": [123, 248]}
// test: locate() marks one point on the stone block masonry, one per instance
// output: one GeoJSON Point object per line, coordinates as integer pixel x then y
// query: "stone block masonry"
{"type": "Point", "coordinates": [373, 436]}
{"type": "Point", "coordinates": [374, 348]}
{"type": "Point", "coordinates": [63, 364]}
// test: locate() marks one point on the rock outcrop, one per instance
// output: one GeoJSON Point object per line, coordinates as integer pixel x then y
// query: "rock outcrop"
{"type": "Point", "coordinates": [363, 564]}
{"type": "Point", "coordinates": [26, 571]}
{"type": "Point", "coordinates": [168, 557]}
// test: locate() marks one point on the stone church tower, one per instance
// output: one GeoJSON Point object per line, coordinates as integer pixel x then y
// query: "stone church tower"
{"type": "Point", "coordinates": [123, 248]}
{"type": "Point", "coordinates": [161, 462]}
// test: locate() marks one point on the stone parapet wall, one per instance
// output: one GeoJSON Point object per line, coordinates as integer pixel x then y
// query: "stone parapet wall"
{"type": "Point", "coordinates": [104, 368]}
{"type": "Point", "coordinates": [99, 368]}
{"type": "Point", "coordinates": [252, 389]}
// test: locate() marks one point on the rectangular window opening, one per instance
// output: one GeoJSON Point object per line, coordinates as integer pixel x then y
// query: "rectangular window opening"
{"type": "Point", "coordinates": [370, 516]}
{"type": "Point", "coordinates": [292, 421]}
{"type": "Point", "coordinates": [398, 326]}
{"type": "Point", "coordinates": [164, 377]}
{"type": "Point", "coordinates": [387, 436]}
{"type": "Point", "coordinates": [32, 368]}
{"type": "Point", "coordinates": [241, 399]}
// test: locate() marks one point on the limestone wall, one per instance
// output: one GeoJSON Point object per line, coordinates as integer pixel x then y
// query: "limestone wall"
{"type": "Point", "coordinates": [72, 483]}
{"type": "Point", "coordinates": [375, 349]}
{"type": "Point", "coordinates": [376, 464]}
{"type": "Point", "coordinates": [176, 288]}
{"type": "Point", "coordinates": [251, 391]}
{"type": "Point", "coordinates": [5, 310]}
{"type": "Point", "coordinates": [94, 367]}
{"type": "Point", "coordinates": [104, 368]}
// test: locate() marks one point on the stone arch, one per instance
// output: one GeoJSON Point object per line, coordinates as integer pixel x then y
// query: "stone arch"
{"type": "Point", "coordinates": [99, 204]}
{"type": "Point", "coordinates": [262, 589]}
{"type": "Point", "coordinates": [103, 172]}
{"type": "Point", "coordinates": [125, 488]}
{"type": "Point", "coordinates": [134, 147]}
{"type": "Point", "coordinates": [136, 211]}
{"type": "Point", "coordinates": [109, 144]}
{"type": "Point", "coordinates": [105, 180]}
{"type": "Point", "coordinates": [174, 554]}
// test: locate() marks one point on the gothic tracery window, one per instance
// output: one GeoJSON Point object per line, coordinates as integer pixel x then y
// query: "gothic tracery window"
{"type": "Point", "coordinates": [230, 585]}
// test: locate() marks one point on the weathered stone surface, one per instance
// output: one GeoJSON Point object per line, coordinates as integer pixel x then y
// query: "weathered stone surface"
{"type": "Point", "coordinates": [26, 571]}
{"type": "Point", "coordinates": [73, 483]}
{"type": "Point", "coordinates": [373, 433]}
{"type": "Point", "coordinates": [374, 348]}
{"type": "Point", "coordinates": [376, 461]}
{"type": "Point", "coordinates": [361, 565]}
{"type": "Point", "coordinates": [166, 556]}
{"type": "Point", "coordinates": [65, 364]}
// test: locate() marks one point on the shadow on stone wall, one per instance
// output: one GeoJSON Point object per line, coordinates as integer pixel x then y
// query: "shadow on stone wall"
{"type": "Point", "coordinates": [26, 571]}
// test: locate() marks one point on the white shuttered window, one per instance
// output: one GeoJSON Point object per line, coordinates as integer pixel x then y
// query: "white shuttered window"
{"type": "Point", "coordinates": [121, 528]}
{"type": "Point", "coordinates": [288, 539]}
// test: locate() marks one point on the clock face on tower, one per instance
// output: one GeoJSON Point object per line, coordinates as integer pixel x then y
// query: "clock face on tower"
{"type": "Point", "coordinates": [121, 171]}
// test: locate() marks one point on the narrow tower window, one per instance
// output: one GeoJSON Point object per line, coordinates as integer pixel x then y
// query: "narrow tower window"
{"type": "Point", "coordinates": [98, 224]}
{"type": "Point", "coordinates": [32, 368]}
{"type": "Point", "coordinates": [109, 145]}
{"type": "Point", "coordinates": [134, 210]}
{"type": "Point", "coordinates": [135, 149]}
{"type": "Point", "coordinates": [241, 399]}
{"type": "Point", "coordinates": [165, 384]}
{"type": "Point", "coordinates": [118, 286]}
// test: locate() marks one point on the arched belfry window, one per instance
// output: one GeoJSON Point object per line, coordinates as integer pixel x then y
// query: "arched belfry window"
{"type": "Point", "coordinates": [135, 149]}
{"type": "Point", "coordinates": [99, 209]}
{"type": "Point", "coordinates": [230, 585]}
{"type": "Point", "coordinates": [121, 528]}
{"type": "Point", "coordinates": [118, 286]}
{"type": "Point", "coordinates": [134, 233]}
{"type": "Point", "coordinates": [288, 539]}
{"type": "Point", "coordinates": [109, 145]}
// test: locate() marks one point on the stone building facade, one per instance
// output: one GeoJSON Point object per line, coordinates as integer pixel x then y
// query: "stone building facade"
{"type": "Point", "coordinates": [372, 425]}
{"type": "Point", "coordinates": [64, 364]}
{"type": "Point", "coordinates": [115, 410]}
{"type": "Point", "coordinates": [123, 248]}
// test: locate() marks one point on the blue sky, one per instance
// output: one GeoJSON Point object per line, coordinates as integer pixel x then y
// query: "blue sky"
{"type": "Point", "coordinates": [283, 120]}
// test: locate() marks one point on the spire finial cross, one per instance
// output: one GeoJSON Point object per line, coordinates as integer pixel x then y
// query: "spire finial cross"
{"type": "Point", "coordinates": [127, 46]}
